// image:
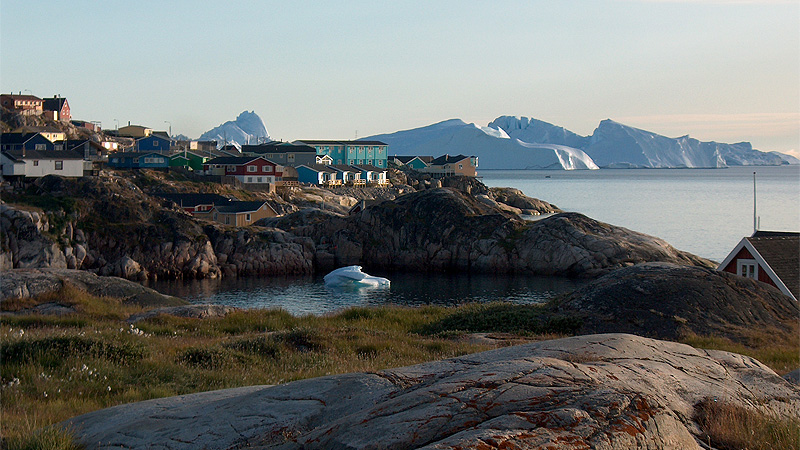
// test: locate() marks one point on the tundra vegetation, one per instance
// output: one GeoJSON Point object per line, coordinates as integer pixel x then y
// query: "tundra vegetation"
{"type": "Point", "coordinates": [57, 367]}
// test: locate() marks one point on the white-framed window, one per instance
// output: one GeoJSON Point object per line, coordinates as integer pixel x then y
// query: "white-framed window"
{"type": "Point", "coordinates": [227, 220]}
{"type": "Point", "coordinates": [747, 268]}
{"type": "Point", "coordinates": [249, 179]}
{"type": "Point", "coordinates": [59, 165]}
{"type": "Point", "coordinates": [266, 169]}
{"type": "Point", "coordinates": [460, 166]}
{"type": "Point", "coordinates": [35, 162]}
{"type": "Point", "coordinates": [258, 180]}
{"type": "Point", "coordinates": [41, 147]}
{"type": "Point", "coordinates": [290, 157]}
{"type": "Point", "coordinates": [247, 217]}
{"type": "Point", "coordinates": [252, 168]}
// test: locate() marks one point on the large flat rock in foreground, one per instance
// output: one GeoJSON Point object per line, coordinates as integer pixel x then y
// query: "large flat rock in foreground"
{"type": "Point", "coordinates": [609, 391]}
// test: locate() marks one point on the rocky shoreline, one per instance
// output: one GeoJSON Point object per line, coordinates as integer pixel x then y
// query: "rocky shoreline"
{"type": "Point", "coordinates": [111, 226]}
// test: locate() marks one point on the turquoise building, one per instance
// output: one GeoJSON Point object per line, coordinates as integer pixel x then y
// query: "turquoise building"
{"type": "Point", "coordinates": [375, 153]}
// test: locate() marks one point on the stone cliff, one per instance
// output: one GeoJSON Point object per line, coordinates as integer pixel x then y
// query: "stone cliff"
{"type": "Point", "coordinates": [112, 226]}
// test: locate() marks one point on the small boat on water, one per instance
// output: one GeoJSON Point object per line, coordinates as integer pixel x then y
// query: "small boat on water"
{"type": "Point", "coordinates": [353, 276]}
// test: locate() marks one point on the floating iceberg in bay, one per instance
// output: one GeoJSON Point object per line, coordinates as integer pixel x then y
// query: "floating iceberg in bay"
{"type": "Point", "coordinates": [353, 276]}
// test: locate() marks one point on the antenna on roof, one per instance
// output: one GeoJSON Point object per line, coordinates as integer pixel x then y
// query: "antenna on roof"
{"type": "Point", "coordinates": [755, 216]}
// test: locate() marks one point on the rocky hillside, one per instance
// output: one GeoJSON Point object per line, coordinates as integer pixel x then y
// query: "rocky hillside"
{"type": "Point", "coordinates": [114, 225]}
{"type": "Point", "coordinates": [445, 229]}
{"type": "Point", "coordinates": [667, 301]}
{"type": "Point", "coordinates": [613, 391]}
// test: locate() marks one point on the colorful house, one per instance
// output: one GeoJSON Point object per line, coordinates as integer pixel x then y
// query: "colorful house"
{"type": "Point", "coordinates": [319, 174]}
{"type": "Point", "coordinates": [153, 143]}
{"type": "Point", "coordinates": [27, 105]}
{"type": "Point", "coordinates": [25, 141]}
{"type": "Point", "coordinates": [187, 159]}
{"type": "Point", "coordinates": [195, 203]}
{"type": "Point", "coordinates": [134, 131]}
{"type": "Point", "coordinates": [447, 165]}
{"type": "Point", "coordinates": [417, 163]}
{"type": "Point", "coordinates": [138, 160]}
{"type": "Point", "coordinates": [352, 152]}
{"type": "Point", "coordinates": [375, 176]}
{"type": "Point", "coordinates": [242, 213]}
{"type": "Point", "coordinates": [59, 107]}
{"type": "Point", "coordinates": [772, 257]}
{"type": "Point", "coordinates": [38, 163]}
{"type": "Point", "coordinates": [247, 169]}
{"type": "Point", "coordinates": [283, 153]}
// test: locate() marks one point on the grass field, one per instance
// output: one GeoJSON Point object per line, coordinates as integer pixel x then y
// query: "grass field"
{"type": "Point", "coordinates": [57, 367]}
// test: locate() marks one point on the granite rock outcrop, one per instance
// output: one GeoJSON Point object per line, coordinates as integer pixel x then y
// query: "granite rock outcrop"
{"type": "Point", "coordinates": [612, 391]}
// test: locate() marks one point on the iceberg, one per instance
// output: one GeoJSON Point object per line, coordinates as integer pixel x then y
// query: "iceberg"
{"type": "Point", "coordinates": [353, 276]}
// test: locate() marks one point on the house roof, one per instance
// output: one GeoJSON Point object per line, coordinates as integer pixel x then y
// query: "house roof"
{"type": "Point", "coordinates": [406, 159]}
{"type": "Point", "coordinates": [17, 138]}
{"type": "Point", "coordinates": [161, 134]}
{"type": "Point", "coordinates": [135, 154]}
{"type": "Point", "coordinates": [17, 155]}
{"type": "Point", "coordinates": [369, 167]}
{"type": "Point", "coordinates": [53, 104]}
{"type": "Point", "coordinates": [781, 250]}
{"type": "Point", "coordinates": [447, 159]}
{"type": "Point", "coordinates": [240, 207]}
{"type": "Point", "coordinates": [192, 200]}
{"type": "Point", "coordinates": [185, 154]}
{"type": "Point", "coordinates": [235, 160]}
{"type": "Point", "coordinates": [336, 142]}
{"type": "Point", "coordinates": [278, 147]}
{"type": "Point", "coordinates": [73, 144]}
{"type": "Point", "coordinates": [22, 97]}
{"type": "Point", "coordinates": [319, 167]}
{"type": "Point", "coordinates": [344, 168]}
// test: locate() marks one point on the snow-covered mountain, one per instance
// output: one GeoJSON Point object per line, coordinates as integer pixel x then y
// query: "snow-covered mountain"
{"type": "Point", "coordinates": [248, 128]}
{"type": "Point", "coordinates": [525, 143]}
{"type": "Point", "coordinates": [494, 148]}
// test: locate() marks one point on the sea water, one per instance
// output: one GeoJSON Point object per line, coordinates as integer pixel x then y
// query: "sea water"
{"type": "Point", "coordinates": [702, 211]}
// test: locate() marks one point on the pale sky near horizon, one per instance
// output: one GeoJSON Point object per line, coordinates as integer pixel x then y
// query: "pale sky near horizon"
{"type": "Point", "coordinates": [722, 70]}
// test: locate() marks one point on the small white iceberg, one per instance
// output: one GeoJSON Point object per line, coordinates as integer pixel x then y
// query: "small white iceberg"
{"type": "Point", "coordinates": [353, 276]}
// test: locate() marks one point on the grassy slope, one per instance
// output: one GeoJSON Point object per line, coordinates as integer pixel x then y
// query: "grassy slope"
{"type": "Point", "coordinates": [54, 368]}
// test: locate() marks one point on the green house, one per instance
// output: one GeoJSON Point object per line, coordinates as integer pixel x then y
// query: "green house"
{"type": "Point", "coordinates": [190, 160]}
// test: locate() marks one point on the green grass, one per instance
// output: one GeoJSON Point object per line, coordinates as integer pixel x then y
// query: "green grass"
{"type": "Point", "coordinates": [54, 368]}
{"type": "Point", "coordinates": [729, 427]}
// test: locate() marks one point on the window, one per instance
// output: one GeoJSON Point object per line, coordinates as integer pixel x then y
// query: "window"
{"type": "Point", "coordinates": [230, 169]}
{"type": "Point", "coordinates": [35, 162]}
{"type": "Point", "coordinates": [266, 169]}
{"type": "Point", "coordinates": [252, 168]}
{"type": "Point", "coordinates": [258, 179]}
{"type": "Point", "coordinates": [59, 165]}
{"type": "Point", "coordinates": [247, 217]}
{"type": "Point", "coordinates": [227, 220]}
{"type": "Point", "coordinates": [290, 157]}
{"type": "Point", "coordinates": [249, 179]}
{"type": "Point", "coordinates": [460, 166]}
{"type": "Point", "coordinates": [41, 147]}
{"type": "Point", "coordinates": [747, 268]}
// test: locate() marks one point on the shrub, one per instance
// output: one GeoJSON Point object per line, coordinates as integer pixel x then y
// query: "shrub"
{"type": "Point", "coordinates": [205, 358]}
{"type": "Point", "coordinates": [257, 346]}
{"type": "Point", "coordinates": [53, 350]}
{"type": "Point", "coordinates": [302, 339]}
{"type": "Point", "coordinates": [504, 318]}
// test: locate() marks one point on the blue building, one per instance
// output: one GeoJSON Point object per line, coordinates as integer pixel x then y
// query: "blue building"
{"type": "Point", "coordinates": [318, 174]}
{"type": "Point", "coordinates": [138, 160]}
{"type": "Point", "coordinates": [154, 143]}
{"type": "Point", "coordinates": [375, 153]}
{"type": "Point", "coordinates": [25, 141]}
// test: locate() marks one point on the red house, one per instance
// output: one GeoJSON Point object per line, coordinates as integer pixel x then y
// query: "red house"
{"type": "Point", "coordinates": [772, 257]}
{"type": "Point", "coordinates": [59, 106]}
{"type": "Point", "coordinates": [250, 170]}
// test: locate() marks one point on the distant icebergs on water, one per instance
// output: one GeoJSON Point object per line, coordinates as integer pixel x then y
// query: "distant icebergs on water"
{"type": "Point", "coordinates": [352, 276]}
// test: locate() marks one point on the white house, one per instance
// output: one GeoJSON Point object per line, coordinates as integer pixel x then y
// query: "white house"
{"type": "Point", "coordinates": [39, 163]}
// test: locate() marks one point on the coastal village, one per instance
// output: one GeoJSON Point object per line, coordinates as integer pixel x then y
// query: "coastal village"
{"type": "Point", "coordinates": [37, 151]}
{"type": "Point", "coordinates": [91, 216]}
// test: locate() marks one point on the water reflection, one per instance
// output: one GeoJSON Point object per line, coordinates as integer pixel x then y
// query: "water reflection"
{"type": "Point", "coordinates": [309, 295]}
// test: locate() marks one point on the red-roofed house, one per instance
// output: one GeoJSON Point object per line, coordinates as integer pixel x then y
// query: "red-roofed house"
{"type": "Point", "coordinates": [772, 257]}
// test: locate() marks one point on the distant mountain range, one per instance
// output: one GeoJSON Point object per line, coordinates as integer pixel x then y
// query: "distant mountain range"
{"type": "Point", "coordinates": [248, 128]}
{"type": "Point", "coordinates": [526, 143]}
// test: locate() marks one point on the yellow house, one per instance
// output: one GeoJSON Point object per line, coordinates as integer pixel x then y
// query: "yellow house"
{"type": "Point", "coordinates": [241, 214]}
{"type": "Point", "coordinates": [52, 134]}
{"type": "Point", "coordinates": [135, 131]}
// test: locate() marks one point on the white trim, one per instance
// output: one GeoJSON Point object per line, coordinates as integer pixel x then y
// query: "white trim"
{"type": "Point", "coordinates": [761, 263]}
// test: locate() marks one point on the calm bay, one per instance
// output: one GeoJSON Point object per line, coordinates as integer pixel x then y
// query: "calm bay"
{"type": "Point", "coordinates": [702, 211]}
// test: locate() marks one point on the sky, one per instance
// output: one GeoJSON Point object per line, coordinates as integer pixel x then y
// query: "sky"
{"type": "Point", "coordinates": [721, 70]}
